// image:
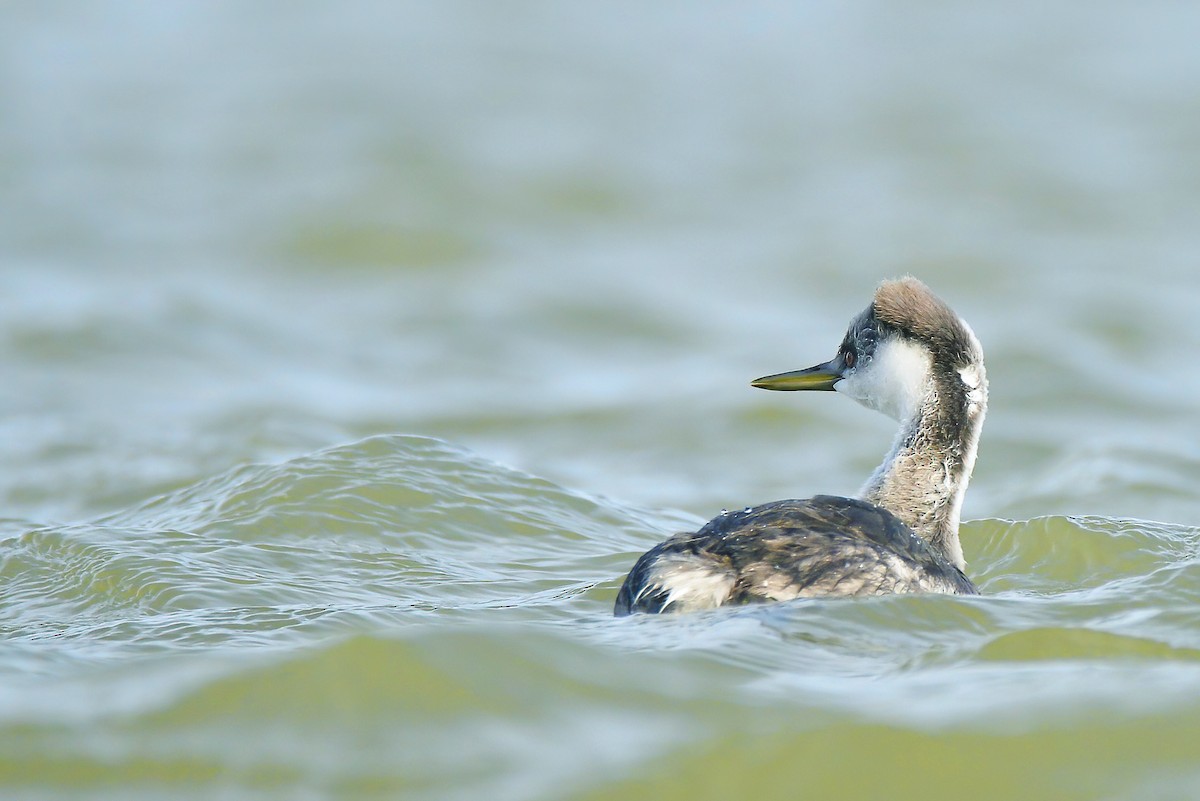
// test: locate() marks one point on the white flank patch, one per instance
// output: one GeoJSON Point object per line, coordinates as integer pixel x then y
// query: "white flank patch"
{"type": "Point", "coordinates": [690, 582]}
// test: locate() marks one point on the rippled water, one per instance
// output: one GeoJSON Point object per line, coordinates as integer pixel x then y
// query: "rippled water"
{"type": "Point", "coordinates": [400, 616]}
{"type": "Point", "coordinates": [351, 355]}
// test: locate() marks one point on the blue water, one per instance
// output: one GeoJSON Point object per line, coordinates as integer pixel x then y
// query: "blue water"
{"type": "Point", "coordinates": [352, 355]}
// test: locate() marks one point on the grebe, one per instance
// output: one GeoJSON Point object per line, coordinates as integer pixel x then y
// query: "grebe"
{"type": "Point", "coordinates": [906, 355]}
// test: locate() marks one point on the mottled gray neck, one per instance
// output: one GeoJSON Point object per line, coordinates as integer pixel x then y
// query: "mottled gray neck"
{"type": "Point", "coordinates": [924, 477]}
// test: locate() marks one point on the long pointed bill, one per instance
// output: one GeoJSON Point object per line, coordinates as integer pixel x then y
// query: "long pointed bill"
{"type": "Point", "coordinates": [822, 377]}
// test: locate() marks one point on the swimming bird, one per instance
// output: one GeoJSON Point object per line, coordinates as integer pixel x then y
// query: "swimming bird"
{"type": "Point", "coordinates": [911, 357]}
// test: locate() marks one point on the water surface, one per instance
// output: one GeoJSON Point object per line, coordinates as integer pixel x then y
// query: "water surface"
{"type": "Point", "coordinates": [352, 355]}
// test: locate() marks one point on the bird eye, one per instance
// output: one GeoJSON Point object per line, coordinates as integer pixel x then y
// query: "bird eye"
{"type": "Point", "coordinates": [849, 358]}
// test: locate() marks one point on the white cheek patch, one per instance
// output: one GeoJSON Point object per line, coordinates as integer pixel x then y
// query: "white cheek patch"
{"type": "Point", "coordinates": [893, 381]}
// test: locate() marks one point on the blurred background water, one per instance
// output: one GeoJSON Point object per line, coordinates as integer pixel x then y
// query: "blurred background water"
{"type": "Point", "coordinates": [352, 352]}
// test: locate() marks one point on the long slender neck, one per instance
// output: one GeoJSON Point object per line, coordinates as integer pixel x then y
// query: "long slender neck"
{"type": "Point", "coordinates": [924, 477]}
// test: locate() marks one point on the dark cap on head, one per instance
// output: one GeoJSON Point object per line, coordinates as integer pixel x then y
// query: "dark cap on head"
{"type": "Point", "coordinates": [909, 306]}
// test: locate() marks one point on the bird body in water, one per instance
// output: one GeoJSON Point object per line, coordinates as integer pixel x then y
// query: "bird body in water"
{"type": "Point", "coordinates": [911, 357]}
